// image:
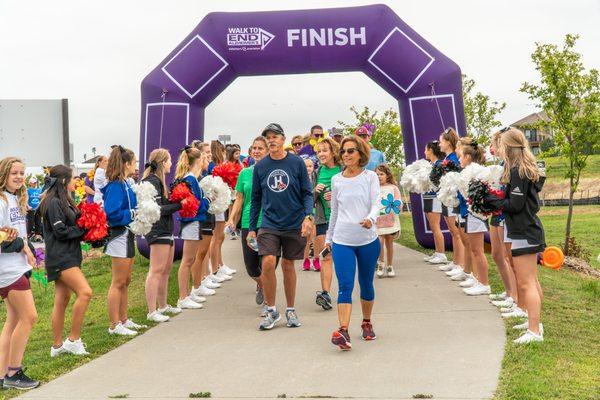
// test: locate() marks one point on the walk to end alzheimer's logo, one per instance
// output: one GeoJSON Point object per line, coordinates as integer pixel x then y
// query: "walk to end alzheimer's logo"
{"type": "Point", "coordinates": [248, 39]}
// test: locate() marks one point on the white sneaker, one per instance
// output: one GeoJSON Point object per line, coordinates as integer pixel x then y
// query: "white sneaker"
{"type": "Point", "coordinates": [169, 310]}
{"type": "Point", "coordinates": [197, 299]}
{"type": "Point", "coordinates": [498, 296]}
{"type": "Point", "coordinates": [379, 272]}
{"type": "Point", "coordinates": [438, 258]}
{"type": "Point", "coordinates": [121, 330]}
{"type": "Point", "coordinates": [264, 311]}
{"type": "Point", "coordinates": [454, 271]}
{"type": "Point", "coordinates": [508, 309]}
{"type": "Point", "coordinates": [216, 278]}
{"type": "Point", "coordinates": [221, 273]}
{"type": "Point", "coordinates": [390, 271]}
{"type": "Point", "coordinates": [470, 281]}
{"type": "Point", "coordinates": [447, 267]}
{"type": "Point", "coordinates": [129, 324]}
{"type": "Point", "coordinates": [189, 304]}
{"type": "Point", "coordinates": [155, 316]}
{"type": "Point", "coordinates": [209, 284]}
{"type": "Point", "coordinates": [54, 352]}
{"type": "Point", "coordinates": [529, 337]}
{"type": "Point", "coordinates": [203, 291]}
{"type": "Point", "coordinates": [75, 347]}
{"type": "Point", "coordinates": [504, 303]}
{"type": "Point", "coordinates": [228, 269]}
{"type": "Point", "coordinates": [478, 290]}
{"type": "Point", "coordinates": [461, 276]}
{"type": "Point", "coordinates": [525, 325]}
{"type": "Point", "coordinates": [428, 257]}
{"type": "Point", "coordinates": [516, 313]}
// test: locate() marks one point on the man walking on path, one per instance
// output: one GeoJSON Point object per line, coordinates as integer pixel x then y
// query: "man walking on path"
{"type": "Point", "coordinates": [280, 186]}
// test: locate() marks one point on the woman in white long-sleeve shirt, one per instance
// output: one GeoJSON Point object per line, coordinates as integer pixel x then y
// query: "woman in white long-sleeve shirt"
{"type": "Point", "coordinates": [352, 236]}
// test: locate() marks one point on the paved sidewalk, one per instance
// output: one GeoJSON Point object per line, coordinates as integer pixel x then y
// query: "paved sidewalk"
{"type": "Point", "coordinates": [432, 340]}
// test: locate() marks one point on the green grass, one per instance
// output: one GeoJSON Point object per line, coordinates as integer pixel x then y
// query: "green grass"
{"type": "Point", "coordinates": [557, 167]}
{"type": "Point", "coordinates": [565, 365]}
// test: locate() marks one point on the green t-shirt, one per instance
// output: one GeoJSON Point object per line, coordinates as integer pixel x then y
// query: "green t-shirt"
{"type": "Point", "coordinates": [325, 175]}
{"type": "Point", "coordinates": [244, 186]}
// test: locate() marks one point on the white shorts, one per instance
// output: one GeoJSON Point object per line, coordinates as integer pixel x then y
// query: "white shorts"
{"type": "Point", "coordinates": [220, 217]}
{"type": "Point", "coordinates": [506, 238]}
{"type": "Point", "coordinates": [475, 225]}
{"type": "Point", "coordinates": [191, 231]}
{"type": "Point", "coordinates": [120, 243]}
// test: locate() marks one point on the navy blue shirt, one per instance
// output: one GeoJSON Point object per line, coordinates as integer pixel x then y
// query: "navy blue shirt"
{"type": "Point", "coordinates": [283, 191]}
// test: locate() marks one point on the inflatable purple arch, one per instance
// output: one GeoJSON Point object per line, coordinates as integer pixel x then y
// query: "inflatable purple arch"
{"type": "Point", "coordinates": [371, 39]}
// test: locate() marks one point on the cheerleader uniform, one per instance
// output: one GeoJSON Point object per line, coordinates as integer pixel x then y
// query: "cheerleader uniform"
{"type": "Point", "coordinates": [431, 204]}
{"type": "Point", "coordinates": [191, 228]}
{"type": "Point", "coordinates": [62, 237]}
{"type": "Point", "coordinates": [447, 212]}
{"type": "Point", "coordinates": [119, 204]}
{"type": "Point", "coordinates": [162, 230]}
{"type": "Point", "coordinates": [522, 228]}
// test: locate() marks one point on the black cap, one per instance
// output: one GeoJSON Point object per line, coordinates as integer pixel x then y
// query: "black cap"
{"type": "Point", "coordinates": [273, 127]}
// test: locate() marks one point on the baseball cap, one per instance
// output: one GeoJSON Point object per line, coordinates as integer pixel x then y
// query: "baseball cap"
{"type": "Point", "coordinates": [33, 179]}
{"type": "Point", "coordinates": [273, 127]}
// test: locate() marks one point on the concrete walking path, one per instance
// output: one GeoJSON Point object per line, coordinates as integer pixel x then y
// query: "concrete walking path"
{"type": "Point", "coordinates": [432, 340]}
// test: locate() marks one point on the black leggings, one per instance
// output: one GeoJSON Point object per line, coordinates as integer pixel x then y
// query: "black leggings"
{"type": "Point", "coordinates": [252, 260]}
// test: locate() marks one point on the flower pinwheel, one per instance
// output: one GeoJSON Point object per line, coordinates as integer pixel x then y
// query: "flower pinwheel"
{"type": "Point", "coordinates": [314, 142]}
{"type": "Point", "coordinates": [391, 205]}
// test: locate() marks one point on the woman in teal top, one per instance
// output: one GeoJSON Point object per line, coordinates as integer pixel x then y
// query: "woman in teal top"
{"type": "Point", "coordinates": [328, 152]}
{"type": "Point", "coordinates": [241, 206]}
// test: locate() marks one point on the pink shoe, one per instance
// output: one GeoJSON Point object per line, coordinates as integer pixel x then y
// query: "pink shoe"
{"type": "Point", "coordinates": [316, 264]}
{"type": "Point", "coordinates": [306, 265]}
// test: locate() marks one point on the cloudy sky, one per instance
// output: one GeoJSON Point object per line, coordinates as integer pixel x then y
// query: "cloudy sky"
{"type": "Point", "coordinates": [96, 54]}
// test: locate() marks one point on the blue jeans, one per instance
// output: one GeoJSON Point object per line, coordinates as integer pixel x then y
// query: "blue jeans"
{"type": "Point", "coordinates": [346, 259]}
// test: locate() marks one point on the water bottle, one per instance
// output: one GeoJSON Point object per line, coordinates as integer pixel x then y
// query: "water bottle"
{"type": "Point", "coordinates": [253, 244]}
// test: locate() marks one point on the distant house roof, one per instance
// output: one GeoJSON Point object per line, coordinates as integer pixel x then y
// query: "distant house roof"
{"type": "Point", "coordinates": [532, 119]}
{"type": "Point", "coordinates": [92, 160]}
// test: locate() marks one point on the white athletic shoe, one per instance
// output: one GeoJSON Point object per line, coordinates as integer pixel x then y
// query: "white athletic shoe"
{"type": "Point", "coordinates": [169, 310]}
{"type": "Point", "coordinates": [379, 270]}
{"type": "Point", "coordinates": [461, 276]}
{"type": "Point", "coordinates": [508, 309]}
{"type": "Point", "coordinates": [209, 284]}
{"type": "Point", "coordinates": [228, 269]}
{"type": "Point", "coordinates": [203, 291]}
{"type": "Point", "coordinates": [504, 303]}
{"type": "Point", "coordinates": [76, 347]}
{"type": "Point", "coordinates": [447, 267]}
{"type": "Point", "coordinates": [54, 352]}
{"type": "Point", "coordinates": [121, 330]}
{"type": "Point", "coordinates": [129, 324]}
{"type": "Point", "coordinates": [155, 316]}
{"type": "Point", "coordinates": [498, 296]}
{"type": "Point", "coordinates": [478, 290]}
{"type": "Point", "coordinates": [216, 278]}
{"type": "Point", "coordinates": [456, 270]}
{"type": "Point", "coordinates": [515, 313]}
{"type": "Point", "coordinates": [438, 258]}
{"type": "Point", "coordinates": [189, 304]}
{"type": "Point", "coordinates": [470, 281]}
{"type": "Point", "coordinates": [221, 273]}
{"type": "Point", "coordinates": [525, 325]}
{"type": "Point", "coordinates": [428, 257]}
{"type": "Point", "coordinates": [197, 299]}
{"type": "Point", "coordinates": [529, 337]}
{"type": "Point", "coordinates": [390, 271]}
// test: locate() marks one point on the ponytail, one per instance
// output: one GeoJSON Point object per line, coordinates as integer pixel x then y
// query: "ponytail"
{"type": "Point", "coordinates": [187, 157]}
{"type": "Point", "coordinates": [119, 156]}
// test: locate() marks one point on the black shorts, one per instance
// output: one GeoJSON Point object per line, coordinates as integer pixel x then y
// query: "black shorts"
{"type": "Point", "coordinates": [208, 226]}
{"type": "Point", "coordinates": [459, 221]}
{"type": "Point", "coordinates": [121, 243]}
{"type": "Point", "coordinates": [54, 272]}
{"type": "Point", "coordinates": [432, 205]}
{"type": "Point", "coordinates": [251, 257]}
{"type": "Point", "coordinates": [288, 244]}
{"type": "Point", "coordinates": [160, 239]}
{"type": "Point", "coordinates": [322, 229]}
{"type": "Point", "coordinates": [447, 212]}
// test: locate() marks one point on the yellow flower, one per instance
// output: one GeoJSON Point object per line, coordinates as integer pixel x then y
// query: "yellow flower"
{"type": "Point", "coordinates": [315, 142]}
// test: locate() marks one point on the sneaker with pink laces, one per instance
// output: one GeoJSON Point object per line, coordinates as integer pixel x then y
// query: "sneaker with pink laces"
{"type": "Point", "coordinates": [306, 265]}
{"type": "Point", "coordinates": [316, 264]}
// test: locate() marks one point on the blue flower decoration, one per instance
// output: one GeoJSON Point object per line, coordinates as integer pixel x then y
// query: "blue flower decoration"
{"type": "Point", "coordinates": [391, 205]}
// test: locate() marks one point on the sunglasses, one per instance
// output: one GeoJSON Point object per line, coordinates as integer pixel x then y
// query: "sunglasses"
{"type": "Point", "coordinates": [297, 144]}
{"type": "Point", "coordinates": [351, 150]}
{"type": "Point", "coordinates": [319, 135]}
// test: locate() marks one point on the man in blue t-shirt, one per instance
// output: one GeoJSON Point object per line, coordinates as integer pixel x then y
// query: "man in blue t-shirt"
{"type": "Point", "coordinates": [34, 194]}
{"type": "Point", "coordinates": [280, 186]}
{"type": "Point", "coordinates": [376, 157]}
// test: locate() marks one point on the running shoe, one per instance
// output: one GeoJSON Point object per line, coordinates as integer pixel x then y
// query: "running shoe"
{"type": "Point", "coordinates": [509, 308]}
{"type": "Point", "coordinates": [438, 258]}
{"type": "Point", "coordinates": [324, 300]}
{"type": "Point", "coordinates": [306, 264]}
{"type": "Point", "coordinates": [525, 325]}
{"type": "Point", "coordinates": [428, 257]}
{"type": "Point", "coordinates": [316, 264]}
{"type": "Point", "coordinates": [527, 337]}
{"type": "Point", "coordinates": [129, 324]}
{"type": "Point", "coordinates": [460, 276]}
{"type": "Point", "coordinates": [216, 278]}
{"type": "Point", "coordinates": [197, 299]}
{"type": "Point", "coordinates": [390, 271]}
{"type": "Point", "coordinates": [455, 271]}
{"type": "Point", "coordinates": [478, 289]}
{"type": "Point", "coordinates": [20, 381]}
{"type": "Point", "coordinates": [264, 311]}
{"type": "Point", "coordinates": [228, 269]}
{"type": "Point", "coordinates": [76, 347]}
{"type": "Point", "coordinates": [379, 272]}
{"type": "Point", "coordinates": [203, 291]}
{"type": "Point", "coordinates": [367, 331]}
{"type": "Point", "coordinates": [156, 316]}
{"type": "Point", "coordinates": [209, 284]}
{"type": "Point", "coordinates": [447, 267]}
{"type": "Point", "coordinates": [504, 303]}
{"type": "Point", "coordinates": [469, 282]}
{"type": "Point", "coordinates": [516, 313]}
{"type": "Point", "coordinates": [55, 352]}
{"type": "Point", "coordinates": [223, 275]}
{"type": "Point", "coordinates": [169, 310]}
{"type": "Point", "coordinates": [292, 318]}
{"type": "Point", "coordinates": [121, 330]}
{"type": "Point", "coordinates": [341, 339]}
{"type": "Point", "coordinates": [260, 296]}
{"type": "Point", "coordinates": [498, 296]}
{"type": "Point", "coordinates": [269, 321]}
{"type": "Point", "coordinates": [188, 304]}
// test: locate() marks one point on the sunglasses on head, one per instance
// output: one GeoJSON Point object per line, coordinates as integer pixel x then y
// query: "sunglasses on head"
{"type": "Point", "coordinates": [351, 150]}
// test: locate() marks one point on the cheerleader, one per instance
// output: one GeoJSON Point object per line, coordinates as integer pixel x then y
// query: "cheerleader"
{"type": "Point", "coordinates": [433, 207]}
{"type": "Point", "coordinates": [476, 284]}
{"type": "Point", "coordinates": [160, 239]}
{"type": "Point", "coordinates": [120, 204]}
{"type": "Point", "coordinates": [190, 165]}
{"type": "Point", "coordinates": [388, 222]}
{"type": "Point", "coordinates": [16, 259]}
{"type": "Point", "coordinates": [522, 225]}
{"type": "Point", "coordinates": [448, 143]}
{"type": "Point", "coordinates": [63, 260]}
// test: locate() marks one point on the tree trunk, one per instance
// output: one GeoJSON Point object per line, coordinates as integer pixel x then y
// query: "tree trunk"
{"type": "Point", "coordinates": [569, 217]}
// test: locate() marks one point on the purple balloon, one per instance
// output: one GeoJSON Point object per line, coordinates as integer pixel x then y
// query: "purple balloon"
{"type": "Point", "coordinates": [371, 39]}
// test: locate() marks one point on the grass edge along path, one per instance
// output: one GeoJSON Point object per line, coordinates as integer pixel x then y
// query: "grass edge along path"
{"type": "Point", "coordinates": [565, 365]}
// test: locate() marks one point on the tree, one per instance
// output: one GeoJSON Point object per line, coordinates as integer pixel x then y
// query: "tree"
{"type": "Point", "coordinates": [480, 112]}
{"type": "Point", "coordinates": [570, 96]}
{"type": "Point", "coordinates": [388, 133]}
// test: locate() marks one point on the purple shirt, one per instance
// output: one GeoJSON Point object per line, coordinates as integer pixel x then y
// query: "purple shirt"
{"type": "Point", "coordinates": [89, 198]}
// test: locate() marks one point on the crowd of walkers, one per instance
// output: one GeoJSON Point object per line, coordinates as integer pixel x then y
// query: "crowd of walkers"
{"type": "Point", "coordinates": [330, 195]}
